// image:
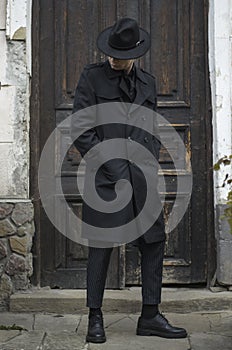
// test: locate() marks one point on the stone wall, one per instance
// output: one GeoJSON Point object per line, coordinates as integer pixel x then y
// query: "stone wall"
{"type": "Point", "coordinates": [16, 210]}
{"type": "Point", "coordinates": [16, 233]}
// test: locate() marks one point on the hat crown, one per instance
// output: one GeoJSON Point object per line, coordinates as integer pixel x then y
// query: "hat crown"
{"type": "Point", "coordinates": [124, 34]}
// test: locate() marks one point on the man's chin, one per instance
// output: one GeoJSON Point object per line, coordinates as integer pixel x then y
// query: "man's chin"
{"type": "Point", "coordinates": [116, 67]}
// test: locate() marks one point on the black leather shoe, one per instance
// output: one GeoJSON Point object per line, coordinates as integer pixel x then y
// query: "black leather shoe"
{"type": "Point", "coordinates": [159, 326]}
{"type": "Point", "coordinates": [96, 333]}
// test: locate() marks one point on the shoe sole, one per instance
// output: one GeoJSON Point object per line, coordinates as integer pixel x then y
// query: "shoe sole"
{"type": "Point", "coordinates": [95, 340]}
{"type": "Point", "coordinates": [150, 332]}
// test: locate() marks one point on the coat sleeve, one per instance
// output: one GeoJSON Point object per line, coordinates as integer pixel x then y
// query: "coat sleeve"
{"type": "Point", "coordinates": [82, 129]}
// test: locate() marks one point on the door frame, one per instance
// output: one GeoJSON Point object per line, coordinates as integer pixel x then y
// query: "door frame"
{"type": "Point", "coordinates": [41, 46]}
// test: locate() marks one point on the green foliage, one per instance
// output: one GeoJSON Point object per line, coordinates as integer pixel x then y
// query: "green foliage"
{"type": "Point", "coordinates": [227, 182]}
{"type": "Point", "coordinates": [13, 327]}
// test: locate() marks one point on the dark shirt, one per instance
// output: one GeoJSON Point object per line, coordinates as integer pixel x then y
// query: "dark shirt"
{"type": "Point", "coordinates": [130, 83]}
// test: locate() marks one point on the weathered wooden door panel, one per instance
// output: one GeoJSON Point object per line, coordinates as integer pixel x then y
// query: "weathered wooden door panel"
{"type": "Point", "coordinates": [68, 31]}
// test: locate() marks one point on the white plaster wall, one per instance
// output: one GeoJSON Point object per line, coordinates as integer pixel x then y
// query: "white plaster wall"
{"type": "Point", "coordinates": [220, 62]}
{"type": "Point", "coordinates": [15, 68]}
{"type": "Point", "coordinates": [16, 17]}
{"type": "Point", "coordinates": [28, 36]}
{"type": "Point", "coordinates": [2, 14]}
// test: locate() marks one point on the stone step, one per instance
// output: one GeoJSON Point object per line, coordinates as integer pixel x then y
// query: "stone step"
{"type": "Point", "coordinates": [180, 300]}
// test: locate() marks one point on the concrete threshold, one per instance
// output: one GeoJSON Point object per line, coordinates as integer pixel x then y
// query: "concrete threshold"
{"type": "Point", "coordinates": [176, 300]}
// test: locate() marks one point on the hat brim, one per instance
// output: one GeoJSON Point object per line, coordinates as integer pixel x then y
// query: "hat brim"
{"type": "Point", "coordinates": [138, 51]}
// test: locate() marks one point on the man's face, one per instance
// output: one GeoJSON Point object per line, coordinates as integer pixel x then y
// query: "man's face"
{"type": "Point", "coordinates": [120, 64]}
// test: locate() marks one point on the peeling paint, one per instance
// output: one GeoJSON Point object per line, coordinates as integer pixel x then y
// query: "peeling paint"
{"type": "Point", "coordinates": [16, 70]}
{"type": "Point", "coordinates": [16, 17]}
{"type": "Point", "coordinates": [220, 64]}
{"type": "Point", "coordinates": [18, 155]}
{"type": "Point", "coordinates": [219, 102]}
{"type": "Point", "coordinates": [20, 34]}
{"type": "Point", "coordinates": [218, 72]}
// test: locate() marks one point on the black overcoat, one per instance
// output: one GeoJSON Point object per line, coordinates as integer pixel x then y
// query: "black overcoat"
{"type": "Point", "coordinates": [100, 84]}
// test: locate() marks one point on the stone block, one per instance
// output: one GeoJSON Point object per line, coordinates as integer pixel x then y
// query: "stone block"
{"type": "Point", "coordinates": [16, 69]}
{"type": "Point", "coordinates": [7, 110]}
{"type": "Point", "coordinates": [29, 264]}
{"type": "Point", "coordinates": [16, 264]}
{"type": "Point", "coordinates": [20, 281]}
{"type": "Point", "coordinates": [64, 340]}
{"type": "Point", "coordinates": [4, 306]}
{"type": "Point", "coordinates": [22, 213]}
{"type": "Point", "coordinates": [2, 14]}
{"type": "Point", "coordinates": [7, 335]}
{"type": "Point", "coordinates": [3, 59]}
{"type": "Point", "coordinates": [222, 325]}
{"type": "Point", "coordinates": [14, 168]}
{"type": "Point", "coordinates": [180, 300]}
{"type": "Point", "coordinates": [5, 177]}
{"type": "Point", "coordinates": [211, 341]}
{"type": "Point", "coordinates": [5, 210]}
{"type": "Point", "coordinates": [3, 249]}
{"type": "Point", "coordinates": [19, 245]}
{"type": "Point", "coordinates": [2, 265]}
{"type": "Point", "coordinates": [20, 319]}
{"type": "Point", "coordinates": [6, 228]}
{"type": "Point", "coordinates": [56, 322]}
{"type": "Point", "coordinates": [223, 229]}
{"type": "Point", "coordinates": [27, 228]}
{"type": "Point", "coordinates": [6, 286]}
{"type": "Point", "coordinates": [30, 340]}
{"type": "Point", "coordinates": [224, 265]}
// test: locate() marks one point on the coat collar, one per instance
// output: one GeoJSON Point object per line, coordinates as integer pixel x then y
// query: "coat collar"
{"type": "Point", "coordinates": [140, 75]}
{"type": "Point", "coordinates": [142, 93]}
{"type": "Point", "coordinates": [142, 86]}
{"type": "Point", "coordinates": [112, 73]}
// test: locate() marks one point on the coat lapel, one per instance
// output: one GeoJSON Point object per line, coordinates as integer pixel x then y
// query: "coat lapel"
{"type": "Point", "coordinates": [142, 90]}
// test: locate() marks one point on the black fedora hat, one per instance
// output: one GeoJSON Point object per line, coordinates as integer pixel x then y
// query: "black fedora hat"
{"type": "Point", "coordinates": [124, 40]}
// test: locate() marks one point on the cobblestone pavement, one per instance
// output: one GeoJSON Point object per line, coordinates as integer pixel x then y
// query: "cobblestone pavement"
{"type": "Point", "coordinates": [207, 331]}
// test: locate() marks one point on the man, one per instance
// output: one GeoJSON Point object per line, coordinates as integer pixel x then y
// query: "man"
{"type": "Point", "coordinates": [119, 80]}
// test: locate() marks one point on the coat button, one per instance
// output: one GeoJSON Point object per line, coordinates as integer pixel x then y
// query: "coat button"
{"type": "Point", "coordinates": [146, 139]}
{"type": "Point", "coordinates": [143, 117]}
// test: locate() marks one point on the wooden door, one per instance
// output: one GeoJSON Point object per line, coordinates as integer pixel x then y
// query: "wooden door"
{"type": "Point", "coordinates": [64, 38]}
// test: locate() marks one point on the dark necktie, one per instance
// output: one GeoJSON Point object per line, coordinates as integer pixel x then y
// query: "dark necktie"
{"type": "Point", "coordinates": [129, 79]}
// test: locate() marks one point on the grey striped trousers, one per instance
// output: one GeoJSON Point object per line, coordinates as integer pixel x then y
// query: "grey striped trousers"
{"type": "Point", "coordinates": [152, 255]}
